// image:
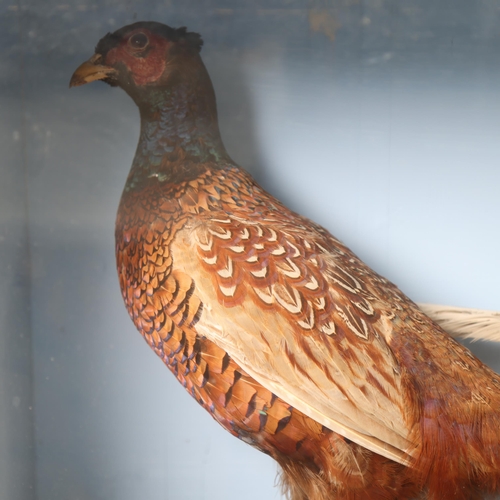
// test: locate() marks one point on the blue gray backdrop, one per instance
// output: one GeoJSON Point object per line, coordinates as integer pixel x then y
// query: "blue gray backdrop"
{"type": "Point", "coordinates": [380, 119]}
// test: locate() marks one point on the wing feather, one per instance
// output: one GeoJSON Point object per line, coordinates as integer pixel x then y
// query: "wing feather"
{"type": "Point", "coordinates": [292, 308]}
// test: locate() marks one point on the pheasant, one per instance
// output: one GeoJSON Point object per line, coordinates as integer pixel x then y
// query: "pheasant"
{"type": "Point", "coordinates": [275, 327]}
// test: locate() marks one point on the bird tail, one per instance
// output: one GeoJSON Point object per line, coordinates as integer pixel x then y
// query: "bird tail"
{"type": "Point", "coordinates": [462, 322]}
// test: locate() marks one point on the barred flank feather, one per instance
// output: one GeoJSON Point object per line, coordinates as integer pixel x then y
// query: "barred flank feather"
{"type": "Point", "coordinates": [462, 322]}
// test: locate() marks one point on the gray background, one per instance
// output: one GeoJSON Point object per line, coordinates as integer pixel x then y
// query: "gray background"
{"type": "Point", "coordinates": [379, 119]}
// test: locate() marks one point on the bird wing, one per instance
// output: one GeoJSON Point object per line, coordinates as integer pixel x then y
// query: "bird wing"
{"type": "Point", "coordinates": [303, 316]}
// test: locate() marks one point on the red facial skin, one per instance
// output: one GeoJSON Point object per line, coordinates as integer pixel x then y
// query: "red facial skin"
{"type": "Point", "coordinates": [146, 64]}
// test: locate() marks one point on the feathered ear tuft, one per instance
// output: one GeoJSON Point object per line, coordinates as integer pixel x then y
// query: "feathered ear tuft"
{"type": "Point", "coordinates": [191, 38]}
{"type": "Point", "coordinates": [181, 35]}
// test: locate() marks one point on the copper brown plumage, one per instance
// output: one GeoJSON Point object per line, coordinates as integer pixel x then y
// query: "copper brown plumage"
{"type": "Point", "coordinates": [270, 323]}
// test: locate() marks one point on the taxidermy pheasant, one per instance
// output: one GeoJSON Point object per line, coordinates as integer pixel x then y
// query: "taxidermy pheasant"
{"type": "Point", "coordinates": [276, 328]}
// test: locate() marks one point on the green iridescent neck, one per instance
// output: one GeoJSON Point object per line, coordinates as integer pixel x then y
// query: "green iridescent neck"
{"type": "Point", "coordinates": [179, 135]}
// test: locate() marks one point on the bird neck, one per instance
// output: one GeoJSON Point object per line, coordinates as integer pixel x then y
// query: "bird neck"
{"type": "Point", "coordinates": [179, 134]}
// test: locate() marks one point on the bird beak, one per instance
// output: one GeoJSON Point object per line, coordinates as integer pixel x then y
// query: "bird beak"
{"type": "Point", "coordinates": [90, 71]}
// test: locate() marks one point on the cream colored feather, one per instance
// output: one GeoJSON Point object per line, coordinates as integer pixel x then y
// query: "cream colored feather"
{"type": "Point", "coordinates": [462, 322]}
{"type": "Point", "coordinates": [264, 345]}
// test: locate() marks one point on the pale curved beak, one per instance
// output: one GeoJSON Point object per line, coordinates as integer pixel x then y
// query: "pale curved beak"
{"type": "Point", "coordinates": [90, 71]}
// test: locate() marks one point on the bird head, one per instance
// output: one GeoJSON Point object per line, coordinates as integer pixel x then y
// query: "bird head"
{"type": "Point", "coordinates": [142, 56]}
{"type": "Point", "coordinates": [161, 69]}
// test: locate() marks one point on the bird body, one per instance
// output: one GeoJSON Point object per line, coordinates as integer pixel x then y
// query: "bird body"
{"type": "Point", "coordinates": [275, 327]}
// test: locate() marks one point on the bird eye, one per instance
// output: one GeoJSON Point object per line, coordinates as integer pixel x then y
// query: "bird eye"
{"type": "Point", "coordinates": [138, 41]}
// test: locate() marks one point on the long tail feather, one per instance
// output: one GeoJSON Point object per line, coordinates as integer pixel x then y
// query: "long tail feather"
{"type": "Point", "coordinates": [462, 322]}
